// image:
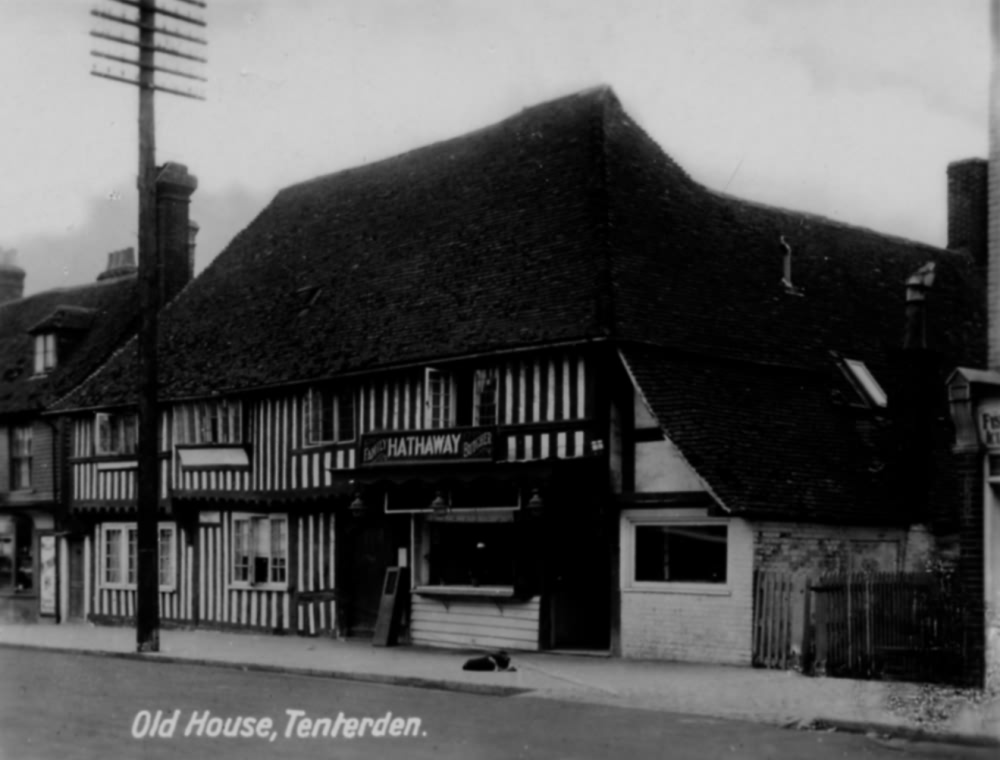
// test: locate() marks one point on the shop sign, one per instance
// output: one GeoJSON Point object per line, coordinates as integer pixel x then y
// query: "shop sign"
{"type": "Point", "coordinates": [466, 444]}
{"type": "Point", "coordinates": [47, 585]}
{"type": "Point", "coordinates": [989, 423]}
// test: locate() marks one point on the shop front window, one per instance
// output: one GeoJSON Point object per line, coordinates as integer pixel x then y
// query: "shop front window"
{"type": "Point", "coordinates": [17, 557]}
{"type": "Point", "coordinates": [463, 552]}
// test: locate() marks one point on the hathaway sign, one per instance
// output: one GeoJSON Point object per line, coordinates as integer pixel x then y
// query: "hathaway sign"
{"type": "Point", "coordinates": [464, 444]}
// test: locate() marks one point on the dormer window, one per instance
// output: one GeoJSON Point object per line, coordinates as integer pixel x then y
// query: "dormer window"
{"type": "Point", "coordinates": [45, 353]}
{"type": "Point", "coordinates": [865, 384]}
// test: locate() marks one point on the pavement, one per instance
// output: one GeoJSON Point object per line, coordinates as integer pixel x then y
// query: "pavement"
{"type": "Point", "coordinates": [889, 709]}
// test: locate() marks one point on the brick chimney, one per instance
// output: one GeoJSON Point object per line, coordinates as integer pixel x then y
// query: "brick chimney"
{"type": "Point", "coordinates": [174, 187]}
{"type": "Point", "coordinates": [121, 263]}
{"type": "Point", "coordinates": [967, 209]}
{"type": "Point", "coordinates": [11, 276]}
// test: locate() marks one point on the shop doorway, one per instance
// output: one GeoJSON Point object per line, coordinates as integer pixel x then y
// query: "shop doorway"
{"type": "Point", "coordinates": [579, 586]}
{"type": "Point", "coordinates": [367, 546]}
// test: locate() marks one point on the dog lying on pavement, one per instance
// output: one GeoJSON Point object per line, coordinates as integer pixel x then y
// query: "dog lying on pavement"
{"type": "Point", "coordinates": [495, 661]}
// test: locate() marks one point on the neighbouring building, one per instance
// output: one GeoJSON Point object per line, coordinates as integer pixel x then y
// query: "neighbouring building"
{"type": "Point", "coordinates": [578, 396]}
{"type": "Point", "coordinates": [50, 342]}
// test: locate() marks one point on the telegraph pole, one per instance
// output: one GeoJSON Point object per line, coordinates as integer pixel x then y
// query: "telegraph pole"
{"type": "Point", "coordinates": [145, 17]}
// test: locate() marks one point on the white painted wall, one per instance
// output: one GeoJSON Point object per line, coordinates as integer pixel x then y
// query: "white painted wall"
{"type": "Point", "coordinates": [660, 467]}
{"type": "Point", "coordinates": [688, 622]}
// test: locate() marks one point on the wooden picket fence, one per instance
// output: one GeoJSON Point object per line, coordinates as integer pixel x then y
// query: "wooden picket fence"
{"type": "Point", "coordinates": [780, 614]}
{"type": "Point", "coordinates": [905, 626]}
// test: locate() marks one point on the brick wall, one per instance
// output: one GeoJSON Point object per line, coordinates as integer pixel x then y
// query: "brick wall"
{"type": "Point", "coordinates": [817, 549]}
{"type": "Point", "coordinates": [683, 624]}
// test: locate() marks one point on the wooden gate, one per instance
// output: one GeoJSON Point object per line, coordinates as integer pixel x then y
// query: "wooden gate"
{"type": "Point", "coordinates": [780, 619]}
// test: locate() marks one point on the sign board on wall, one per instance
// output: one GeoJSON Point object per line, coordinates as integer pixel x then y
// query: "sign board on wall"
{"type": "Point", "coordinates": [988, 421]}
{"type": "Point", "coordinates": [465, 444]}
{"type": "Point", "coordinates": [47, 580]}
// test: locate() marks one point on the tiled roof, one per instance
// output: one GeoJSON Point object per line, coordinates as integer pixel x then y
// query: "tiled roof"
{"type": "Point", "coordinates": [564, 222]}
{"type": "Point", "coordinates": [100, 316]}
{"type": "Point", "coordinates": [778, 441]}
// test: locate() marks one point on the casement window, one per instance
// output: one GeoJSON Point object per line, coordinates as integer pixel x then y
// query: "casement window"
{"type": "Point", "coordinates": [486, 384]}
{"type": "Point", "coordinates": [208, 422]}
{"type": "Point", "coordinates": [329, 416]}
{"type": "Point", "coordinates": [45, 353]}
{"type": "Point", "coordinates": [115, 434]}
{"type": "Point", "coordinates": [260, 550]}
{"type": "Point", "coordinates": [679, 552]}
{"type": "Point", "coordinates": [20, 457]}
{"type": "Point", "coordinates": [119, 555]}
{"type": "Point", "coordinates": [17, 556]}
{"type": "Point", "coordinates": [439, 399]}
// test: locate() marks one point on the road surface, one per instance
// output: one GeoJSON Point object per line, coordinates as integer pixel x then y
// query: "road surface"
{"type": "Point", "coordinates": [59, 706]}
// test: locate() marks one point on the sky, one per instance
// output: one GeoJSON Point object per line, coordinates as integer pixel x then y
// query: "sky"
{"type": "Point", "coordinates": [851, 109]}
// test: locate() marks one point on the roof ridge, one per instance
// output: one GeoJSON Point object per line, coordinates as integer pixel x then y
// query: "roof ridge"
{"type": "Point", "coordinates": [602, 94]}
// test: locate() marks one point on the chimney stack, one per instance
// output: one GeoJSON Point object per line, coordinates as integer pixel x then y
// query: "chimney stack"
{"type": "Point", "coordinates": [121, 263]}
{"type": "Point", "coordinates": [967, 209]}
{"type": "Point", "coordinates": [11, 276]}
{"type": "Point", "coordinates": [175, 238]}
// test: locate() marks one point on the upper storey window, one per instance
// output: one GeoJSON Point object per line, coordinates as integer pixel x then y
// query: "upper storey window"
{"type": "Point", "coordinates": [45, 353]}
{"type": "Point", "coordinates": [116, 434]}
{"type": "Point", "coordinates": [20, 457]}
{"type": "Point", "coordinates": [217, 421]}
{"type": "Point", "coordinates": [329, 416]}
{"type": "Point", "coordinates": [439, 399]}
{"type": "Point", "coordinates": [486, 383]}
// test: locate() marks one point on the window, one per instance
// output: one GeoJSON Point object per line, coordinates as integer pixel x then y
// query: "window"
{"type": "Point", "coordinates": [470, 550]}
{"type": "Point", "coordinates": [45, 353]}
{"type": "Point", "coordinates": [17, 556]}
{"type": "Point", "coordinates": [209, 422]}
{"type": "Point", "coordinates": [680, 553]}
{"type": "Point", "coordinates": [116, 434]}
{"type": "Point", "coordinates": [119, 555]}
{"type": "Point", "coordinates": [20, 458]}
{"type": "Point", "coordinates": [329, 416]}
{"type": "Point", "coordinates": [439, 406]}
{"type": "Point", "coordinates": [484, 409]}
{"type": "Point", "coordinates": [260, 550]}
